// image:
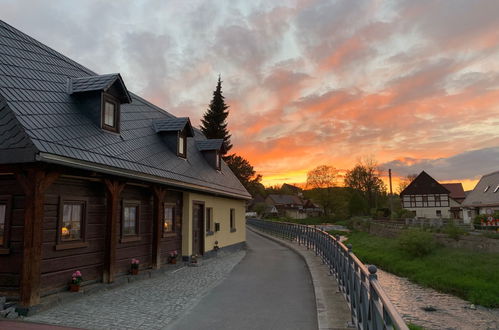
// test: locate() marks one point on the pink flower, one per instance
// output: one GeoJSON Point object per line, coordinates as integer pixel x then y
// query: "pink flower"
{"type": "Point", "coordinates": [74, 278]}
{"type": "Point", "coordinates": [78, 273]}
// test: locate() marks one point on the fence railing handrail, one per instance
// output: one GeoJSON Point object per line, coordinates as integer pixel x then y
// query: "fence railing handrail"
{"type": "Point", "coordinates": [370, 306]}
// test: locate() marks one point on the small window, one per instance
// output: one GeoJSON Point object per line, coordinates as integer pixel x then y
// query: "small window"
{"type": "Point", "coordinates": [72, 221]}
{"type": "Point", "coordinates": [497, 188]}
{"type": "Point", "coordinates": [4, 222]}
{"type": "Point", "coordinates": [218, 161]}
{"type": "Point", "coordinates": [232, 220]}
{"type": "Point", "coordinates": [182, 145]}
{"type": "Point", "coordinates": [486, 188]}
{"type": "Point", "coordinates": [209, 220]}
{"type": "Point", "coordinates": [439, 213]}
{"type": "Point", "coordinates": [169, 219]}
{"type": "Point", "coordinates": [110, 114]}
{"type": "Point", "coordinates": [130, 222]}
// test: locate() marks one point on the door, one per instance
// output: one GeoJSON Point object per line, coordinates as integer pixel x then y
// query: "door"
{"type": "Point", "coordinates": [197, 228]}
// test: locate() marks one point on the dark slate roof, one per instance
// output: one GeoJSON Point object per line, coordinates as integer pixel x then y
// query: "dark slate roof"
{"type": "Point", "coordinates": [40, 121]}
{"type": "Point", "coordinates": [210, 144]}
{"type": "Point", "coordinates": [99, 83]}
{"type": "Point", "coordinates": [424, 184]}
{"type": "Point", "coordinates": [483, 196]}
{"type": "Point", "coordinates": [285, 199]}
{"type": "Point", "coordinates": [173, 125]}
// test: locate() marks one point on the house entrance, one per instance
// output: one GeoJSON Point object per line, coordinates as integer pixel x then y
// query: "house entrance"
{"type": "Point", "coordinates": [197, 228]}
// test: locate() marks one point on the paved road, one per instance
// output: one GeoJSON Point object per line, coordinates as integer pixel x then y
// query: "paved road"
{"type": "Point", "coordinates": [270, 288]}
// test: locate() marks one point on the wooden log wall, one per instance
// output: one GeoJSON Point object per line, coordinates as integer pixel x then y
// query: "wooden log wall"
{"type": "Point", "coordinates": [57, 265]}
{"type": "Point", "coordinates": [10, 264]}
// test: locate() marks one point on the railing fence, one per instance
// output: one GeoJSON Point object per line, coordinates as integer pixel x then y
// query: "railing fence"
{"type": "Point", "coordinates": [369, 304]}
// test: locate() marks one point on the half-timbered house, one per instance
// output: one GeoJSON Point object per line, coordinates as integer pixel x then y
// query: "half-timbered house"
{"type": "Point", "coordinates": [427, 198]}
{"type": "Point", "coordinates": [92, 175]}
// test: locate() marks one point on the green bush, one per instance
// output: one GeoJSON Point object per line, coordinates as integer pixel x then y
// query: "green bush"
{"type": "Point", "coordinates": [453, 231]}
{"type": "Point", "coordinates": [417, 243]}
{"type": "Point", "coordinates": [479, 218]}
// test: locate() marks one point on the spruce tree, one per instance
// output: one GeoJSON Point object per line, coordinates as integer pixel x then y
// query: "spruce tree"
{"type": "Point", "coordinates": [214, 124]}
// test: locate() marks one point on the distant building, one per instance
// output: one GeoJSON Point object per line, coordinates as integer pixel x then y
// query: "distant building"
{"type": "Point", "coordinates": [287, 205]}
{"type": "Point", "coordinates": [427, 198]}
{"type": "Point", "coordinates": [293, 190]}
{"type": "Point", "coordinates": [484, 199]}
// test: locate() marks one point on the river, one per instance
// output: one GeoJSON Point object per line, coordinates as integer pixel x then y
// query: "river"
{"type": "Point", "coordinates": [451, 312]}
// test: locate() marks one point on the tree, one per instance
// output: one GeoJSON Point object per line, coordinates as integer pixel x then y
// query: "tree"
{"type": "Point", "coordinates": [214, 121]}
{"type": "Point", "coordinates": [365, 177]}
{"type": "Point", "coordinates": [246, 174]}
{"type": "Point", "coordinates": [322, 179]}
{"type": "Point", "coordinates": [405, 181]}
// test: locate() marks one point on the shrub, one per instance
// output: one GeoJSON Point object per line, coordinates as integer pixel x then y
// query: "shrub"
{"type": "Point", "coordinates": [479, 218]}
{"type": "Point", "coordinates": [453, 231]}
{"type": "Point", "coordinates": [417, 243]}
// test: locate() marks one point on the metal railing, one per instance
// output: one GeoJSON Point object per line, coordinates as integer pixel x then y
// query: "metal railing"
{"type": "Point", "coordinates": [369, 305]}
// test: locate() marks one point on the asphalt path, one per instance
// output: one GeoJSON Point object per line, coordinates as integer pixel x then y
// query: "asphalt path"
{"type": "Point", "coordinates": [270, 288]}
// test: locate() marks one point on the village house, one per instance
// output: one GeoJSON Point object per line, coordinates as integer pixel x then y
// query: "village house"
{"type": "Point", "coordinates": [290, 206]}
{"type": "Point", "coordinates": [429, 199]}
{"type": "Point", "coordinates": [92, 175]}
{"type": "Point", "coordinates": [483, 199]}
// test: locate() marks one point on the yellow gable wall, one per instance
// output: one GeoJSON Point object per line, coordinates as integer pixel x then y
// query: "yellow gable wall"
{"type": "Point", "coordinates": [221, 213]}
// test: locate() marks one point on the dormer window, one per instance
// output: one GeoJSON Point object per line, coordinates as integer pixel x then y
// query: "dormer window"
{"type": "Point", "coordinates": [174, 132]}
{"type": "Point", "coordinates": [100, 97]}
{"type": "Point", "coordinates": [218, 161]}
{"type": "Point", "coordinates": [182, 145]}
{"type": "Point", "coordinates": [212, 151]}
{"type": "Point", "coordinates": [110, 111]}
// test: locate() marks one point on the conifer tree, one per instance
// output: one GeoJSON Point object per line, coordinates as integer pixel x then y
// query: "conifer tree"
{"type": "Point", "coordinates": [214, 124]}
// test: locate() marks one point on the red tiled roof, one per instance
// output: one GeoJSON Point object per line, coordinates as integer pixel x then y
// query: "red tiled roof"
{"type": "Point", "coordinates": [456, 190]}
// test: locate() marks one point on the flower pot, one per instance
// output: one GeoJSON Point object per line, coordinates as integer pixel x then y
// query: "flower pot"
{"type": "Point", "coordinates": [135, 271]}
{"type": "Point", "coordinates": [173, 261]}
{"type": "Point", "coordinates": [74, 287]}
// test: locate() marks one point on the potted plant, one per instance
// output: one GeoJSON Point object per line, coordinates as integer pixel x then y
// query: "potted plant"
{"type": "Point", "coordinates": [216, 247]}
{"type": "Point", "coordinates": [135, 266]}
{"type": "Point", "coordinates": [76, 280]}
{"type": "Point", "coordinates": [173, 257]}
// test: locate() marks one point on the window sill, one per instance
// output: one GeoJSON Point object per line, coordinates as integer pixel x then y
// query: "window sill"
{"type": "Point", "coordinates": [169, 235]}
{"type": "Point", "coordinates": [209, 233]}
{"type": "Point", "coordinates": [68, 246]}
{"type": "Point", "coordinates": [4, 251]}
{"type": "Point", "coordinates": [128, 239]}
{"type": "Point", "coordinates": [233, 230]}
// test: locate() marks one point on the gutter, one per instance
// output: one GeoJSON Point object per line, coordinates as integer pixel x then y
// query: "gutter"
{"type": "Point", "coordinates": [60, 160]}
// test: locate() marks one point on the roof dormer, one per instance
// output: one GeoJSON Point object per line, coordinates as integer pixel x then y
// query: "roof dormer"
{"type": "Point", "coordinates": [175, 132]}
{"type": "Point", "coordinates": [101, 97]}
{"type": "Point", "coordinates": [212, 151]}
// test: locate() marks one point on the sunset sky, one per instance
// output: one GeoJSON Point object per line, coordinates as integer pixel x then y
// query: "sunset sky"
{"type": "Point", "coordinates": [413, 84]}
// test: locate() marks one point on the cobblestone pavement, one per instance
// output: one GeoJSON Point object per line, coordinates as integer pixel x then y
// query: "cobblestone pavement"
{"type": "Point", "coordinates": [147, 304]}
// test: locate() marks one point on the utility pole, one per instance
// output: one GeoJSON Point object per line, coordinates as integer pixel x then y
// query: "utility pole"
{"type": "Point", "coordinates": [391, 192]}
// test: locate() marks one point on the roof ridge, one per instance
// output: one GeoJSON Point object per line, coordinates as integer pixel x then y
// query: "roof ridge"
{"type": "Point", "coordinates": [44, 47]}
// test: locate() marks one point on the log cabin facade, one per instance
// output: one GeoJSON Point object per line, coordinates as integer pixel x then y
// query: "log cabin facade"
{"type": "Point", "coordinates": [92, 175]}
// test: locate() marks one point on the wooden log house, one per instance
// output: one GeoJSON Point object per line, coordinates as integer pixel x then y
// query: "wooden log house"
{"type": "Point", "coordinates": [92, 175]}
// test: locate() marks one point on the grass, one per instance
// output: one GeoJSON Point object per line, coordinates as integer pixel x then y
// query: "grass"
{"type": "Point", "coordinates": [494, 235]}
{"type": "Point", "coordinates": [413, 326]}
{"type": "Point", "coordinates": [470, 275]}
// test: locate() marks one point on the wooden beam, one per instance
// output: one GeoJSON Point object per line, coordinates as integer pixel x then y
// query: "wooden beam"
{"type": "Point", "coordinates": [34, 182]}
{"type": "Point", "coordinates": [114, 189]}
{"type": "Point", "coordinates": [158, 210]}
